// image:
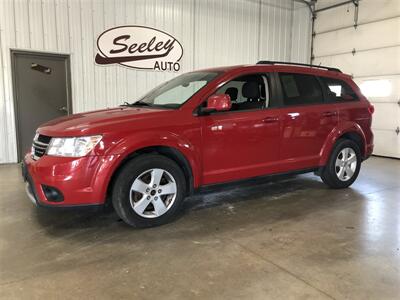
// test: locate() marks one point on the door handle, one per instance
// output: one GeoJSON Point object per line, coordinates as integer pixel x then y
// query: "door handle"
{"type": "Point", "coordinates": [271, 119]}
{"type": "Point", "coordinates": [329, 114]}
{"type": "Point", "coordinates": [63, 108]}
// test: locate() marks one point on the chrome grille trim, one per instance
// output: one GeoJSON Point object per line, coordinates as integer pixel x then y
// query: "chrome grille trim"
{"type": "Point", "coordinates": [39, 146]}
{"type": "Point", "coordinates": [40, 143]}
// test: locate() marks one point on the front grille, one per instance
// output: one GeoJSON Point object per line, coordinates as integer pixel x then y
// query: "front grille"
{"type": "Point", "coordinates": [39, 146]}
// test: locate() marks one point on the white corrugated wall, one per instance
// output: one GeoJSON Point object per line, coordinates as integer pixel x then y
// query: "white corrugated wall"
{"type": "Point", "coordinates": [212, 32]}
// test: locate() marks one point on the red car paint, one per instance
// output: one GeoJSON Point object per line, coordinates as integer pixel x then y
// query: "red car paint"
{"type": "Point", "coordinates": [218, 147]}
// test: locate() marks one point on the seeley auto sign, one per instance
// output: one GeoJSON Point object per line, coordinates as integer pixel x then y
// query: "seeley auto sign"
{"type": "Point", "coordinates": [139, 47]}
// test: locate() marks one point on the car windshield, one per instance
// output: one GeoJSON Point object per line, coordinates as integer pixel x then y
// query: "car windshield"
{"type": "Point", "coordinates": [173, 93]}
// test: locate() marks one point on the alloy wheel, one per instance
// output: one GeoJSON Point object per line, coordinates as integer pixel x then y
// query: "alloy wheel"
{"type": "Point", "coordinates": [153, 193]}
{"type": "Point", "coordinates": [346, 164]}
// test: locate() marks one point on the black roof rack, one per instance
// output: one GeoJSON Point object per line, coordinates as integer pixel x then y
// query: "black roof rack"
{"type": "Point", "coordinates": [271, 62]}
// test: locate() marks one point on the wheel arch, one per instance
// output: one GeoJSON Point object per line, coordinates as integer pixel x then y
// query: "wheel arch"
{"type": "Point", "coordinates": [170, 152]}
{"type": "Point", "coordinates": [355, 137]}
{"type": "Point", "coordinates": [351, 132]}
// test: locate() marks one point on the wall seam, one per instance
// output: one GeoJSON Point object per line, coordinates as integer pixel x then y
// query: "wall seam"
{"type": "Point", "coordinates": [94, 53]}
{"type": "Point", "coordinates": [125, 69]}
{"type": "Point", "coordinates": [194, 35]}
{"type": "Point", "coordinates": [291, 33]}
{"type": "Point", "coordinates": [259, 30]}
{"type": "Point", "coordinates": [82, 105]}
{"type": "Point", "coordinates": [106, 71]}
{"type": "Point", "coordinates": [29, 24]}
{"type": "Point", "coordinates": [3, 70]}
{"type": "Point", "coordinates": [43, 35]}
{"type": "Point", "coordinates": [10, 104]}
{"type": "Point", "coordinates": [358, 25]}
{"type": "Point", "coordinates": [15, 25]}
{"type": "Point", "coordinates": [69, 32]}
{"type": "Point", "coordinates": [55, 24]}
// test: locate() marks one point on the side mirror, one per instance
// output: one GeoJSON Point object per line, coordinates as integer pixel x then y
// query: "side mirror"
{"type": "Point", "coordinates": [220, 102]}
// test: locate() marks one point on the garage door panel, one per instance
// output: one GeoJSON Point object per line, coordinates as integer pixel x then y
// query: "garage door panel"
{"type": "Point", "coordinates": [386, 116]}
{"type": "Point", "coordinates": [375, 62]}
{"type": "Point", "coordinates": [393, 94]}
{"type": "Point", "coordinates": [375, 65]}
{"type": "Point", "coordinates": [375, 35]}
{"type": "Point", "coordinates": [370, 10]}
{"type": "Point", "coordinates": [386, 143]}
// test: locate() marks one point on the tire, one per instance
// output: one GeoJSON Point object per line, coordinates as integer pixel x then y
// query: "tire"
{"type": "Point", "coordinates": [343, 165]}
{"type": "Point", "coordinates": [149, 191]}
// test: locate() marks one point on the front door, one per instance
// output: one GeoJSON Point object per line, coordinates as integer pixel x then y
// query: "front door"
{"type": "Point", "coordinates": [242, 142]}
{"type": "Point", "coordinates": [41, 86]}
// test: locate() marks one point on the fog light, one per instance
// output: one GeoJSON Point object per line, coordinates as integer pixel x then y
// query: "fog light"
{"type": "Point", "coordinates": [52, 194]}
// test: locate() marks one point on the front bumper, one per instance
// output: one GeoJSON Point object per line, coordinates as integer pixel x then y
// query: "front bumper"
{"type": "Point", "coordinates": [82, 181]}
{"type": "Point", "coordinates": [28, 185]}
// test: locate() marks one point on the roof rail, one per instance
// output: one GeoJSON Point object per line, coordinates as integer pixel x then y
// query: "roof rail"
{"type": "Point", "coordinates": [271, 62]}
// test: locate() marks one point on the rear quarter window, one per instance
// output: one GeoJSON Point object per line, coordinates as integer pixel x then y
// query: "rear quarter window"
{"type": "Point", "coordinates": [338, 90]}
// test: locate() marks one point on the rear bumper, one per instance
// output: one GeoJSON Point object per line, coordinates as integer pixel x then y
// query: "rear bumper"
{"type": "Point", "coordinates": [81, 181]}
{"type": "Point", "coordinates": [368, 151]}
{"type": "Point", "coordinates": [369, 143]}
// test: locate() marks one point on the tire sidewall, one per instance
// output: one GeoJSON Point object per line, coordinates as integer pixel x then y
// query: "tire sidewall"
{"type": "Point", "coordinates": [132, 169]}
{"type": "Point", "coordinates": [340, 145]}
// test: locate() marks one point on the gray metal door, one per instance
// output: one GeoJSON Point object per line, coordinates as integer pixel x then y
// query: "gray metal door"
{"type": "Point", "coordinates": [41, 87]}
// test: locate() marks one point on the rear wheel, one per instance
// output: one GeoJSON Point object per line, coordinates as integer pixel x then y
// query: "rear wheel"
{"type": "Point", "coordinates": [343, 165]}
{"type": "Point", "coordinates": [149, 191]}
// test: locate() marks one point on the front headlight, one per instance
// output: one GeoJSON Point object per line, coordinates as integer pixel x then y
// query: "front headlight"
{"type": "Point", "coordinates": [73, 147]}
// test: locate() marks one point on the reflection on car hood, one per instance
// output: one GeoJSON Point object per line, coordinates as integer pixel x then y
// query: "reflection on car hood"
{"type": "Point", "coordinates": [97, 121]}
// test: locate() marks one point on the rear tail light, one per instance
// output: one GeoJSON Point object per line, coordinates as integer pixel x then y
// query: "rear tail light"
{"type": "Point", "coordinates": [371, 108]}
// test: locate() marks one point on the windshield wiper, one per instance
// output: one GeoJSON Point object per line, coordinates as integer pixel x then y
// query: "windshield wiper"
{"type": "Point", "coordinates": [169, 105]}
{"type": "Point", "coordinates": [137, 103]}
{"type": "Point", "coordinates": [140, 103]}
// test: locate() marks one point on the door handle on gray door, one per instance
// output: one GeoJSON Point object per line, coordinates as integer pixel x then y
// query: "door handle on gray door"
{"type": "Point", "coordinates": [63, 108]}
{"type": "Point", "coordinates": [271, 119]}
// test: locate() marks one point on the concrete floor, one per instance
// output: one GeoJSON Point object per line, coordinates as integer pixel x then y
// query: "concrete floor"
{"type": "Point", "coordinates": [287, 239]}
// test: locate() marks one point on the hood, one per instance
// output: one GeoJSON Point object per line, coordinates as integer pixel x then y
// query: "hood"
{"type": "Point", "coordinates": [97, 122]}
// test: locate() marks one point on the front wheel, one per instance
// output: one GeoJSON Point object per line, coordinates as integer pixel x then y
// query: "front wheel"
{"type": "Point", "coordinates": [343, 165]}
{"type": "Point", "coordinates": [149, 191]}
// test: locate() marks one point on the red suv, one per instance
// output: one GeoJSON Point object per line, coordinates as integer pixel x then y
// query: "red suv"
{"type": "Point", "coordinates": [203, 128]}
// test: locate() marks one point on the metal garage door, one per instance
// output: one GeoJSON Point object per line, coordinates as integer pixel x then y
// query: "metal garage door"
{"type": "Point", "coordinates": [371, 53]}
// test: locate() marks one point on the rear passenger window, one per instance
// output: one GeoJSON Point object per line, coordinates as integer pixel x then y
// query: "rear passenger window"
{"type": "Point", "coordinates": [338, 90]}
{"type": "Point", "coordinates": [299, 89]}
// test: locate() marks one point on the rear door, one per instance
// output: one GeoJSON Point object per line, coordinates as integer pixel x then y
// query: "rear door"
{"type": "Point", "coordinates": [307, 120]}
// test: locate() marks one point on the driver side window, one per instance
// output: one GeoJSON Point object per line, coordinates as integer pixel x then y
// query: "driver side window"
{"type": "Point", "coordinates": [247, 92]}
